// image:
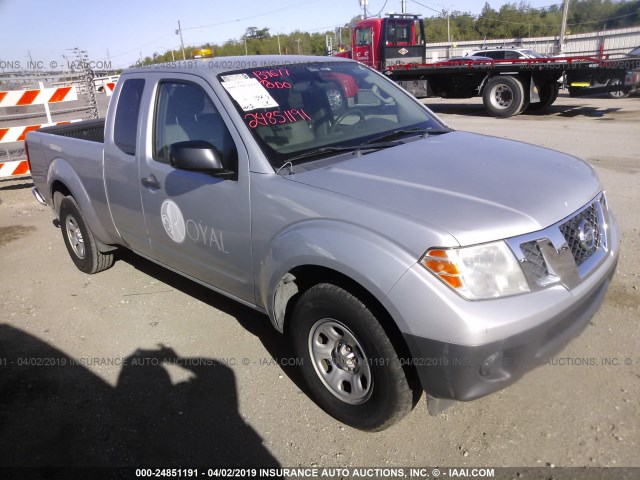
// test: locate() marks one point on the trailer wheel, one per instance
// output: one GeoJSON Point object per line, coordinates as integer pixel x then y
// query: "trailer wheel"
{"type": "Point", "coordinates": [79, 240]}
{"type": "Point", "coordinates": [617, 93]}
{"type": "Point", "coordinates": [503, 96]}
{"type": "Point", "coordinates": [548, 94]}
{"type": "Point", "coordinates": [337, 100]}
{"type": "Point", "coordinates": [348, 362]}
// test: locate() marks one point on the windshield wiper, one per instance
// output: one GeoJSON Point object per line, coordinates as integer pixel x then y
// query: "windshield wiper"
{"type": "Point", "coordinates": [324, 150]}
{"type": "Point", "coordinates": [396, 134]}
{"type": "Point", "coordinates": [368, 147]}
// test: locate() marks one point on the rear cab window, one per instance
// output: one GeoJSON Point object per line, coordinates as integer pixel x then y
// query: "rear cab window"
{"type": "Point", "coordinates": [125, 130]}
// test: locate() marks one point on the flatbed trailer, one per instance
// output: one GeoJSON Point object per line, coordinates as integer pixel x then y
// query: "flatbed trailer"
{"type": "Point", "coordinates": [509, 87]}
{"type": "Point", "coordinates": [395, 46]}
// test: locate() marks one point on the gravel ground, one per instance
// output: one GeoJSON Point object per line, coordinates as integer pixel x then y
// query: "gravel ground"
{"type": "Point", "coordinates": [206, 381]}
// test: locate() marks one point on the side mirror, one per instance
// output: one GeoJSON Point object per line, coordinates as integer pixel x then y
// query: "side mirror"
{"type": "Point", "coordinates": [197, 155]}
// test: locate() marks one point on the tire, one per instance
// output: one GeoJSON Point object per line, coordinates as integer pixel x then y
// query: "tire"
{"type": "Point", "coordinates": [503, 96]}
{"type": "Point", "coordinates": [335, 97]}
{"type": "Point", "coordinates": [617, 93]}
{"type": "Point", "coordinates": [333, 331]}
{"type": "Point", "coordinates": [79, 240]}
{"type": "Point", "coordinates": [548, 94]}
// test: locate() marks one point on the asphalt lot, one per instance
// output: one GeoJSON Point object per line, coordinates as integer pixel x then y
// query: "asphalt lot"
{"type": "Point", "coordinates": [206, 381]}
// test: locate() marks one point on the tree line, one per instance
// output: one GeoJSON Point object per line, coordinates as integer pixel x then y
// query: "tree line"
{"type": "Point", "coordinates": [521, 20]}
{"type": "Point", "coordinates": [512, 20]}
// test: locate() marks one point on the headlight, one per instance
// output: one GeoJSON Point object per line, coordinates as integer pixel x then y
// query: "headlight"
{"type": "Point", "coordinates": [478, 272]}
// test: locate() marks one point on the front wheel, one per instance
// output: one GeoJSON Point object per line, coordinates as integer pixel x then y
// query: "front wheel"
{"type": "Point", "coordinates": [348, 361]}
{"type": "Point", "coordinates": [79, 240]}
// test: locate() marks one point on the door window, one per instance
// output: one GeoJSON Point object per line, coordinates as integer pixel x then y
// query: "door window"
{"type": "Point", "coordinates": [185, 112]}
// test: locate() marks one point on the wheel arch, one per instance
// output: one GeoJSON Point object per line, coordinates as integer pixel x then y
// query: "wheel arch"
{"type": "Point", "coordinates": [374, 261]}
{"type": "Point", "coordinates": [303, 277]}
{"type": "Point", "coordinates": [58, 191]}
{"type": "Point", "coordinates": [65, 182]}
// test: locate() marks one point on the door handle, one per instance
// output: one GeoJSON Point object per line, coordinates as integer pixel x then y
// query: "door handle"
{"type": "Point", "coordinates": [151, 182]}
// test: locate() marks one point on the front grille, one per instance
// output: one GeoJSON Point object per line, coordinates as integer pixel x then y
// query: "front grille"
{"type": "Point", "coordinates": [574, 230]}
{"type": "Point", "coordinates": [536, 264]}
{"type": "Point", "coordinates": [567, 252]}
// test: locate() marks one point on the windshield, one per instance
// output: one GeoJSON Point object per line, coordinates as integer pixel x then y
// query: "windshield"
{"type": "Point", "coordinates": [533, 54]}
{"type": "Point", "coordinates": [312, 107]}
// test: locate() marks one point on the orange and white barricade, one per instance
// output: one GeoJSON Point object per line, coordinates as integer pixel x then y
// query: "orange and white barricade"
{"type": "Point", "coordinates": [18, 134]}
{"type": "Point", "coordinates": [19, 98]}
{"type": "Point", "coordinates": [109, 87]}
{"type": "Point", "coordinates": [41, 96]}
{"type": "Point", "coordinates": [11, 169]}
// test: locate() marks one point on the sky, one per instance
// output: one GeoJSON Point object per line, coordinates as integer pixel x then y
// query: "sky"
{"type": "Point", "coordinates": [120, 32]}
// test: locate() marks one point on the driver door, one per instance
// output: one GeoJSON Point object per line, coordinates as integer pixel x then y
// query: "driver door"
{"type": "Point", "coordinates": [198, 223]}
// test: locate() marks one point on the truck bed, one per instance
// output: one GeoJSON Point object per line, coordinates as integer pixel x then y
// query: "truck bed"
{"type": "Point", "coordinates": [91, 130]}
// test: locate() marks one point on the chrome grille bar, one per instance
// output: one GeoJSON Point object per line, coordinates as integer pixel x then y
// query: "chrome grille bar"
{"type": "Point", "coordinates": [566, 252]}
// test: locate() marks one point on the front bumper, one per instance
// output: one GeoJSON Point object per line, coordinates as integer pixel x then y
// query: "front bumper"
{"type": "Point", "coordinates": [462, 372]}
{"type": "Point", "coordinates": [463, 350]}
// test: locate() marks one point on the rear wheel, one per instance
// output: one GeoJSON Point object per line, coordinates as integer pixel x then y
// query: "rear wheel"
{"type": "Point", "coordinates": [348, 361]}
{"type": "Point", "coordinates": [503, 96]}
{"type": "Point", "coordinates": [79, 240]}
{"type": "Point", "coordinates": [548, 94]}
{"type": "Point", "coordinates": [617, 93]}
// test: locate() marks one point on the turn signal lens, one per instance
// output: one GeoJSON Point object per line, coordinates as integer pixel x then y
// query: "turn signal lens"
{"type": "Point", "coordinates": [438, 262]}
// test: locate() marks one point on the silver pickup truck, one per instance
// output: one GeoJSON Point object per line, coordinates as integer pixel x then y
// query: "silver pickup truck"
{"type": "Point", "coordinates": [398, 255]}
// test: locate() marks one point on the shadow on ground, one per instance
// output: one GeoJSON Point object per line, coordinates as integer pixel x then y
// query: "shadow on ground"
{"type": "Point", "coordinates": [11, 183]}
{"type": "Point", "coordinates": [477, 110]}
{"type": "Point", "coordinates": [254, 322]}
{"type": "Point", "coordinates": [55, 412]}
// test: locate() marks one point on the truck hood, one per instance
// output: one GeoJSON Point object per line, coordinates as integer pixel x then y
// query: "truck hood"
{"type": "Point", "coordinates": [477, 188]}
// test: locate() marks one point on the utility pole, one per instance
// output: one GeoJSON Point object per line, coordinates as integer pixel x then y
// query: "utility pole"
{"type": "Point", "coordinates": [364, 4]}
{"type": "Point", "coordinates": [179, 32]}
{"type": "Point", "coordinates": [298, 40]}
{"type": "Point", "coordinates": [563, 28]}
{"type": "Point", "coordinates": [448, 28]}
{"type": "Point", "coordinates": [404, 6]}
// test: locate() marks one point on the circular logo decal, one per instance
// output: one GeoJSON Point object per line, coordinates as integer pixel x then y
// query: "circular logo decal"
{"type": "Point", "coordinates": [587, 235]}
{"type": "Point", "coordinates": [173, 221]}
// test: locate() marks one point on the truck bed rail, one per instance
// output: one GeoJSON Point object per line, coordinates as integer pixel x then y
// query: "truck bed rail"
{"type": "Point", "coordinates": [91, 130]}
{"type": "Point", "coordinates": [522, 64]}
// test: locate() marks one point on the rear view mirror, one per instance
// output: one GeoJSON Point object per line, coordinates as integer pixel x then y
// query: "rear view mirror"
{"type": "Point", "coordinates": [197, 155]}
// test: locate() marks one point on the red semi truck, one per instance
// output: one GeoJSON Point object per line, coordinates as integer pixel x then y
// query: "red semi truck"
{"type": "Point", "coordinates": [395, 45]}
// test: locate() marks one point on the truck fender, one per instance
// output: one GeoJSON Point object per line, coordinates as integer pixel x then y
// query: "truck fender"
{"type": "Point", "coordinates": [482, 84]}
{"type": "Point", "coordinates": [60, 171]}
{"type": "Point", "coordinates": [371, 260]}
